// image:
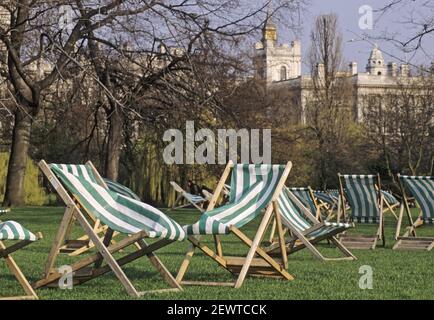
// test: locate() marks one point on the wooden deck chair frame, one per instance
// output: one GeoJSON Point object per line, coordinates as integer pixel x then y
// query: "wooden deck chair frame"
{"type": "Point", "coordinates": [6, 254]}
{"type": "Point", "coordinates": [317, 215]}
{"type": "Point", "coordinates": [390, 207]}
{"type": "Point", "coordinates": [183, 196]}
{"type": "Point", "coordinates": [105, 249]}
{"type": "Point", "coordinates": [328, 191]}
{"type": "Point", "coordinates": [264, 265]}
{"type": "Point", "coordinates": [299, 240]}
{"type": "Point", "coordinates": [410, 240]}
{"type": "Point", "coordinates": [329, 208]}
{"type": "Point", "coordinates": [83, 244]}
{"type": "Point", "coordinates": [362, 241]}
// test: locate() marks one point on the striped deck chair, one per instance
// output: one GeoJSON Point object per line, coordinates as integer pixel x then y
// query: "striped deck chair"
{"type": "Point", "coordinates": [305, 195]}
{"type": "Point", "coordinates": [121, 214]}
{"type": "Point", "coordinates": [254, 193]}
{"type": "Point", "coordinates": [366, 203]}
{"type": "Point", "coordinates": [13, 231]}
{"type": "Point", "coordinates": [75, 247]}
{"type": "Point", "coordinates": [327, 203]}
{"type": "Point", "coordinates": [391, 202]}
{"type": "Point", "coordinates": [324, 196]}
{"type": "Point", "coordinates": [422, 189]}
{"type": "Point", "coordinates": [336, 194]}
{"type": "Point", "coordinates": [196, 201]}
{"type": "Point", "coordinates": [306, 229]}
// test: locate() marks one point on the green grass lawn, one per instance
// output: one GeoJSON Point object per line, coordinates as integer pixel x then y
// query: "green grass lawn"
{"type": "Point", "coordinates": [396, 274]}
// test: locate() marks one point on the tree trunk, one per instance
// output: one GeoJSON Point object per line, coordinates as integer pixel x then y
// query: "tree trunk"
{"type": "Point", "coordinates": [14, 195]}
{"type": "Point", "coordinates": [114, 144]}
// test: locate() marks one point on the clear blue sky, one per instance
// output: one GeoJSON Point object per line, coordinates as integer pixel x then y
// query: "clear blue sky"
{"type": "Point", "coordinates": [348, 13]}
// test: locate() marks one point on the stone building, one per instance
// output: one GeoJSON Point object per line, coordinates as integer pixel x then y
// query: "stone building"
{"type": "Point", "coordinates": [276, 62]}
{"type": "Point", "coordinates": [279, 66]}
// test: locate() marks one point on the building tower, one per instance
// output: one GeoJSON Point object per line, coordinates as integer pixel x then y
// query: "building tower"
{"type": "Point", "coordinates": [376, 65]}
{"type": "Point", "coordinates": [269, 33]}
{"type": "Point", "coordinates": [275, 62]}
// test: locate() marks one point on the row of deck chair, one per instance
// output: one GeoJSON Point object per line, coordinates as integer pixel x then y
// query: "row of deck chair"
{"type": "Point", "coordinates": [318, 201]}
{"type": "Point", "coordinates": [255, 191]}
{"type": "Point", "coordinates": [368, 205]}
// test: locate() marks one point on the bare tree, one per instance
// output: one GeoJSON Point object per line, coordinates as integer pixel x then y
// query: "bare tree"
{"type": "Point", "coordinates": [400, 123]}
{"type": "Point", "coordinates": [418, 18]}
{"type": "Point", "coordinates": [329, 102]}
{"type": "Point", "coordinates": [40, 51]}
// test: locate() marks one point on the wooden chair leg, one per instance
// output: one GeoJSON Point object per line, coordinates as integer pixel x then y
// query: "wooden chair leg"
{"type": "Point", "coordinates": [341, 247]}
{"type": "Point", "coordinates": [161, 268]}
{"type": "Point", "coordinates": [273, 231]}
{"type": "Point", "coordinates": [185, 263]}
{"type": "Point", "coordinates": [280, 234]}
{"type": "Point", "coordinates": [254, 246]}
{"type": "Point", "coordinates": [197, 206]}
{"type": "Point", "coordinates": [16, 271]}
{"type": "Point", "coordinates": [58, 241]}
{"type": "Point", "coordinates": [106, 241]}
{"type": "Point", "coordinates": [107, 255]}
{"type": "Point", "coordinates": [261, 253]}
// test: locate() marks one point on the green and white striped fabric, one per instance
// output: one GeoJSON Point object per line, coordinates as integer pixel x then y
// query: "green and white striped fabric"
{"type": "Point", "coordinates": [292, 216]}
{"type": "Point", "coordinates": [303, 194]}
{"type": "Point", "coordinates": [11, 230]}
{"type": "Point", "coordinates": [389, 197]}
{"type": "Point", "coordinates": [324, 196]}
{"type": "Point", "coordinates": [83, 171]}
{"type": "Point", "coordinates": [362, 196]}
{"type": "Point", "coordinates": [252, 187]}
{"type": "Point", "coordinates": [244, 176]}
{"type": "Point", "coordinates": [121, 189]}
{"type": "Point", "coordinates": [119, 212]}
{"type": "Point", "coordinates": [422, 189]}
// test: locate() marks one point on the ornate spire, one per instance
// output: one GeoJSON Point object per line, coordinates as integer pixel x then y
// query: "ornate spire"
{"type": "Point", "coordinates": [269, 32]}
{"type": "Point", "coordinates": [376, 64]}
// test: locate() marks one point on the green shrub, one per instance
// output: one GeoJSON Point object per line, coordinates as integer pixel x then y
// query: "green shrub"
{"type": "Point", "coordinates": [35, 194]}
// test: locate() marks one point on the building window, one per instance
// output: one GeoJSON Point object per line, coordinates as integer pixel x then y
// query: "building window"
{"type": "Point", "coordinates": [283, 73]}
{"type": "Point", "coordinates": [379, 73]}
